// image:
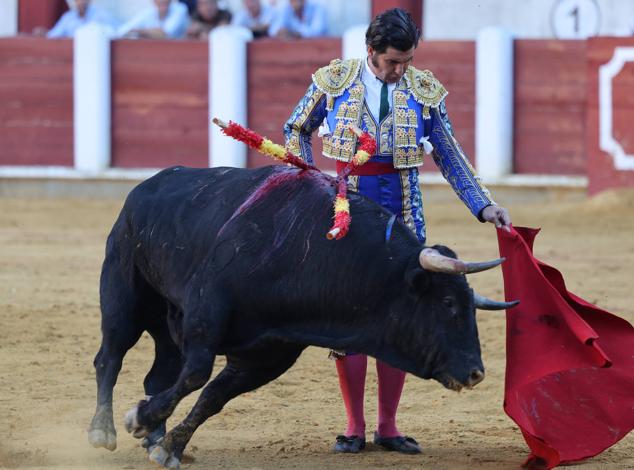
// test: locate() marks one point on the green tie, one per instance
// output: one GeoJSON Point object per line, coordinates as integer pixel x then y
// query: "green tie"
{"type": "Point", "coordinates": [385, 105]}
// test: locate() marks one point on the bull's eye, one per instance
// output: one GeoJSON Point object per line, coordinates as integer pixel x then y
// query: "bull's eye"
{"type": "Point", "coordinates": [450, 304]}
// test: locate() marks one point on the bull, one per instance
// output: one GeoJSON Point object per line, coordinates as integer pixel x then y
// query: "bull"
{"type": "Point", "coordinates": [235, 262]}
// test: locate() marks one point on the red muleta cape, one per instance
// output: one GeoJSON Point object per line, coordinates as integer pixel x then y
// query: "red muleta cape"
{"type": "Point", "coordinates": [569, 364]}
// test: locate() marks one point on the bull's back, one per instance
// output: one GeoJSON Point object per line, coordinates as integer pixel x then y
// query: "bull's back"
{"type": "Point", "coordinates": [181, 218]}
{"type": "Point", "coordinates": [181, 199]}
{"type": "Point", "coordinates": [195, 189]}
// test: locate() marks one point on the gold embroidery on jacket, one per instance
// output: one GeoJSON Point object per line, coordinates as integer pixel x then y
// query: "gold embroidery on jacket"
{"type": "Point", "coordinates": [425, 88]}
{"type": "Point", "coordinates": [368, 121]}
{"type": "Point", "coordinates": [335, 78]}
{"type": "Point", "coordinates": [293, 142]}
{"type": "Point", "coordinates": [408, 157]}
{"type": "Point", "coordinates": [459, 157]}
{"type": "Point", "coordinates": [406, 189]}
{"type": "Point", "coordinates": [406, 150]}
{"type": "Point", "coordinates": [341, 144]}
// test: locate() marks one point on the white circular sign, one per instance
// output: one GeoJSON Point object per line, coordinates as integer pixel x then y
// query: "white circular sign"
{"type": "Point", "coordinates": [575, 19]}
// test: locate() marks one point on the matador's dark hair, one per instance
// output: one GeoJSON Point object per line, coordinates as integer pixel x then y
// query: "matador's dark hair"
{"type": "Point", "coordinates": [392, 28]}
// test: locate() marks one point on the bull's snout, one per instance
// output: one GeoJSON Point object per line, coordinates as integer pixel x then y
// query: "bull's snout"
{"type": "Point", "coordinates": [475, 377]}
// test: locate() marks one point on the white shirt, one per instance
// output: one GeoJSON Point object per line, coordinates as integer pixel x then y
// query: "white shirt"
{"type": "Point", "coordinates": [173, 25]}
{"type": "Point", "coordinates": [373, 87]}
{"type": "Point", "coordinates": [71, 22]}
{"type": "Point", "coordinates": [314, 22]}
{"type": "Point", "coordinates": [243, 17]}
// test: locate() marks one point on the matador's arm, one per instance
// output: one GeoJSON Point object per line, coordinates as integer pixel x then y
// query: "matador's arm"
{"type": "Point", "coordinates": [307, 116]}
{"type": "Point", "coordinates": [454, 165]}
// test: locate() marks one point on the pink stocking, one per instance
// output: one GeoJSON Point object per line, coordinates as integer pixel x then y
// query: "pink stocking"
{"type": "Point", "coordinates": [351, 370]}
{"type": "Point", "coordinates": [391, 382]}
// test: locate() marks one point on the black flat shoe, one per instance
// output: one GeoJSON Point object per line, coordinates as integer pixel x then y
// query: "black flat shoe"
{"type": "Point", "coordinates": [349, 445]}
{"type": "Point", "coordinates": [403, 444]}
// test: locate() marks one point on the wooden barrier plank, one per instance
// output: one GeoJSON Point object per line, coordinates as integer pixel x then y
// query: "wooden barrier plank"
{"type": "Point", "coordinates": [36, 101]}
{"type": "Point", "coordinates": [601, 170]}
{"type": "Point", "coordinates": [159, 103]}
{"type": "Point", "coordinates": [550, 102]}
{"type": "Point", "coordinates": [279, 72]}
{"type": "Point", "coordinates": [453, 63]}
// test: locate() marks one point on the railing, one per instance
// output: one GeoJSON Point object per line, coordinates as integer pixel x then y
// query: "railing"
{"type": "Point", "coordinates": [160, 99]}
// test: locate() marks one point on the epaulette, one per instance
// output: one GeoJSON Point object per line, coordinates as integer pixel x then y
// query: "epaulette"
{"type": "Point", "coordinates": [335, 78]}
{"type": "Point", "coordinates": [425, 88]}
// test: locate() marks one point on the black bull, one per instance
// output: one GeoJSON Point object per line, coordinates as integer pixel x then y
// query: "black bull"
{"type": "Point", "coordinates": [236, 262]}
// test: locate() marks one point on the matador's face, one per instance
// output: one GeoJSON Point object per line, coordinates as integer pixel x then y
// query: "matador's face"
{"type": "Point", "coordinates": [391, 65]}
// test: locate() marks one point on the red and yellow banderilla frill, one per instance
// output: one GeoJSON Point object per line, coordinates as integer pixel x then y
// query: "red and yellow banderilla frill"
{"type": "Point", "coordinates": [367, 148]}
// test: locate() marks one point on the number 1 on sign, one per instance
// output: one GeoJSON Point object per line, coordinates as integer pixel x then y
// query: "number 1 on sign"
{"type": "Point", "coordinates": [575, 13]}
{"type": "Point", "coordinates": [575, 19]}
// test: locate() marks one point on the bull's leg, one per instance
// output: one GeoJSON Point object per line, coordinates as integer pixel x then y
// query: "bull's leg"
{"type": "Point", "coordinates": [120, 331]}
{"type": "Point", "coordinates": [202, 331]}
{"type": "Point", "coordinates": [128, 306]}
{"type": "Point", "coordinates": [163, 374]}
{"type": "Point", "coordinates": [241, 375]}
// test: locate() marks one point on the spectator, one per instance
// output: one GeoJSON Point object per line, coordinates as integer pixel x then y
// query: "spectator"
{"type": "Point", "coordinates": [191, 5]}
{"type": "Point", "coordinates": [80, 14]}
{"type": "Point", "coordinates": [256, 17]}
{"type": "Point", "coordinates": [165, 19]}
{"type": "Point", "coordinates": [206, 18]}
{"type": "Point", "coordinates": [300, 19]}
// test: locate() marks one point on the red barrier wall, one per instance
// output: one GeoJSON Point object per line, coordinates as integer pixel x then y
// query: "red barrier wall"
{"type": "Point", "coordinates": [453, 63]}
{"type": "Point", "coordinates": [550, 106]}
{"type": "Point", "coordinates": [36, 101]}
{"type": "Point", "coordinates": [39, 13]}
{"type": "Point", "coordinates": [601, 170]}
{"type": "Point", "coordinates": [159, 103]}
{"type": "Point", "coordinates": [279, 72]}
{"type": "Point", "coordinates": [414, 7]}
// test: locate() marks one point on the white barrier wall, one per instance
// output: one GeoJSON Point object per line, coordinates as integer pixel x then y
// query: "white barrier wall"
{"type": "Point", "coordinates": [227, 92]}
{"type": "Point", "coordinates": [525, 18]}
{"type": "Point", "coordinates": [8, 18]}
{"type": "Point", "coordinates": [494, 103]}
{"type": "Point", "coordinates": [91, 99]}
{"type": "Point", "coordinates": [353, 42]}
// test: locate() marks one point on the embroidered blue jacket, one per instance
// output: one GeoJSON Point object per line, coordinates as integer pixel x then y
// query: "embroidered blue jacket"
{"type": "Point", "coordinates": [418, 124]}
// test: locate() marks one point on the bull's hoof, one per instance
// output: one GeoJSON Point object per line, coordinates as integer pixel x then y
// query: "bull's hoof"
{"type": "Point", "coordinates": [152, 439]}
{"type": "Point", "coordinates": [132, 425]}
{"type": "Point", "coordinates": [162, 457]}
{"type": "Point", "coordinates": [101, 438]}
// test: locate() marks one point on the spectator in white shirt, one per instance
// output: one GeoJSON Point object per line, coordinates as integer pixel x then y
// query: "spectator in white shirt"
{"type": "Point", "coordinates": [300, 19]}
{"type": "Point", "coordinates": [256, 17]}
{"type": "Point", "coordinates": [165, 19]}
{"type": "Point", "coordinates": [80, 14]}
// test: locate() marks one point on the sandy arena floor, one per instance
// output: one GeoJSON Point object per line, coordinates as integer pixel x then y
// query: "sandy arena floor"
{"type": "Point", "coordinates": [50, 257]}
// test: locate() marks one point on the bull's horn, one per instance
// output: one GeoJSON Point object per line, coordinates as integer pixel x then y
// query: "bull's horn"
{"type": "Point", "coordinates": [431, 260]}
{"type": "Point", "coordinates": [484, 303]}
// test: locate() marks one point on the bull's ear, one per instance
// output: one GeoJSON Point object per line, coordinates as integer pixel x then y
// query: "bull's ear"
{"type": "Point", "coordinates": [417, 279]}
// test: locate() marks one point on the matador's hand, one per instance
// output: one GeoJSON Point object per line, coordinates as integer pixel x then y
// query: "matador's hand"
{"type": "Point", "coordinates": [497, 215]}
